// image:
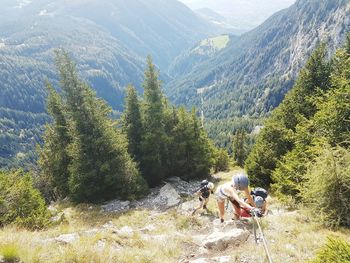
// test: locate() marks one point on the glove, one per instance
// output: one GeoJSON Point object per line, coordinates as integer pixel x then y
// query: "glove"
{"type": "Point", "coordinates": [255, 212]}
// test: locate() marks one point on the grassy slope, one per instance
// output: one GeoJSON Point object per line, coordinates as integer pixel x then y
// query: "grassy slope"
{"type": "Point", "coordinates": [218, 43]}
{"type": "Point", "coordinates": [292, 237]}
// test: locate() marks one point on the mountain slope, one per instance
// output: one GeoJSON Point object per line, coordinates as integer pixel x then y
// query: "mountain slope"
{"type": "Point", "coordinates": [157, 27]}
{"type": "Point", "coordinates": [206, 49]}
{"type": "Point", "coordinates": [107, 39]}
{"type": "Point", "coordinates": [251, 75]}
{"type": "Point", "coordinates": [26, 53]}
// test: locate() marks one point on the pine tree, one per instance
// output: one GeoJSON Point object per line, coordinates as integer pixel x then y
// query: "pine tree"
{"type": "Point", "coordinates": [239, 147]}
{"type": "Point", "coordinates": [326, 188]}
{"type": "Point", "coordinates": [153, 163]}
{"type": "Point", "coordinates": [193, 152]}
{"type": "Point", "coordinates": [222, 160]}
{"type": "Point", "coordinates": [278, 136]}
{"type": "Point", "coordinates": [347, 43]}
{"type": "Point", "coordinates": [100, 166]}
{"type": "Point", "coordinates": [171, 120]}
{"type": "Point", "coordinates": [132, 123]}
{"type": "Point", "coordinates": [20, 203]}
{"type": "Point", "coordinates": [54, 158]}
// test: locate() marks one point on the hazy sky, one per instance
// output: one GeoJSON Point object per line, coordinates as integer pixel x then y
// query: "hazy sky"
{"type": "Point", "coordinates": [246, 13]}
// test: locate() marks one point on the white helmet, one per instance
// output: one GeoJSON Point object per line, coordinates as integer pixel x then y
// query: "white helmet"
{"type": "Point", "coordinates": [211, 186]}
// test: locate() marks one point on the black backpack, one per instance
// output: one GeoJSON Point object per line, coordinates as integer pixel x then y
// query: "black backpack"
{"type": "Point", "coordinates": [258, 191]}
{"type": "Point", "coordinates": [204, 183]}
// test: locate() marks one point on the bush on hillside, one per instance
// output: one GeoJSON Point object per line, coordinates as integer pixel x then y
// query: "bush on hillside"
{"type": "Point", "coordinates": [222, 160]}
{"type": "Point", "coordinates": [334, 251]}
{"type": "Point", "coordinates": [326, 189]}
{"type": "Point", "coordinates": [10, 253]}
{"type": "Point", "coordinates": [288, 176]}
{"type": "Point", "coordinates": [20, 203]}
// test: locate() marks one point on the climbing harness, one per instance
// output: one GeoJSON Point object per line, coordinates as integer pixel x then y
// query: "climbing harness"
{"type": "Point", "coordinates": [256, 219]}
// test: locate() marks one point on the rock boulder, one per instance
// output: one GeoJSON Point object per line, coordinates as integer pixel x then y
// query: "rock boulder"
{"type": "Point", "coordinates": [221, 240]}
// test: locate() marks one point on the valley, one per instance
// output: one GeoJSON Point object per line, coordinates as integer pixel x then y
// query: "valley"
{"type": "Point", "coordinates": [188, 131]}
{"type": "Point", "coordinates": [249, 73]}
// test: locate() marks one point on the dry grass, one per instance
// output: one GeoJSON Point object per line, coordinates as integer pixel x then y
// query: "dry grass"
{"type": "Point", "coordinates": [159, 245]}
{"type": "Point", "coordinates": [292, 237]}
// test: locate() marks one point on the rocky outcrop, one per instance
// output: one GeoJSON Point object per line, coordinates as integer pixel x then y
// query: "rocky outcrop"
{"type": "Point", "coordinates": [116, 206]}
{"type": "Point", "coordinates": [159, 198]}
{"type": "Point", "coordinates": [67, 238]}
{"type": "Point", "coordinates": [187, 208]}
{"type": "Point", "coordinates": [222, 240]}
{"type": "Point", "coordinates": [184, 188]}
{"type": "Point", "coordinates": [222, 259]}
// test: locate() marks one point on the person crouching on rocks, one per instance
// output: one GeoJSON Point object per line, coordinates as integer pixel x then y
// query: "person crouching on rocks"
{"type": "Point", "coordinates": [229, 191]}
{"type": "Point", "coordinates": [260, 203]}
{"type": "Point", "coordinates": [204, 193]}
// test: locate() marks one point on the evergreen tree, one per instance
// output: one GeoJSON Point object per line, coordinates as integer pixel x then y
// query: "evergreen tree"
{"type": "Point", "coordinates": [326, 188]}
{"type": "Point", "coordinates": [347, 43]}
{"type": "Point", "coordinates": [192, 151]}
{"type": "Point", "coordinates": [100, 166]}
{"type": "Point", "coordinates": [54, 158]}
{"type": "Point", "coordinates": [203, 156]}
{"type": "Point", "coordinates": [132, 123]}
{"type": "Point", "coordinates": [222, 160]}
{"type": "Point", "coordinates": [153, 163]}
{"type": "Point", "coordinates": [20, 202]}
{"type": "Point", "coordinates": [239, 147]}
{"type": "Point", "coordinates": [171, 120]}
{"type": "Point", "coordinates": [327, 124]}
{"type": "Point", "coordinates": [278, 136]}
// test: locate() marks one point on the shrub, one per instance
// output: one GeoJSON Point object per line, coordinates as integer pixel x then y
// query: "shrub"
{"type": "Point", "coordinates": [326, 189]}
{"type": "Point", "coordinates": [9, 253]}
{"type": "Point", "coordinates": [222, 160]}
{"type": "Point", "coordinates": [336, 250]}
{"type": "Point", "coordinates": [20, 203]}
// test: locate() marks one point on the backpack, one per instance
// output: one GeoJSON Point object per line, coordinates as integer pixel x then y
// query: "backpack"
{"type": "Point", "coordinates": [204, 183]}
{"type": "Point", "coordinates": [258, 191]}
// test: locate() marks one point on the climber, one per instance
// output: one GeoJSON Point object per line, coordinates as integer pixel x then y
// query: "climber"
{"type": "Point", "coordinates": [204, 192]}
{"type": "Point", "coordinates": [229, 191]}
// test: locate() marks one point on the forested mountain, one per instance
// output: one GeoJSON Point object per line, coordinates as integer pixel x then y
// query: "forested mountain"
{"type": "Point", "coordinates": [107, 39]}
{"type": "Point", "coordinates": [26, 60]}
{"type": "Point", "coordinates": [160, 28]}
{"type": "Point", "coordinates": [252, 74]}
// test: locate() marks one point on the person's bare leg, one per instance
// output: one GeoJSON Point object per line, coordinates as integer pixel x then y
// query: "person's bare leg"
{"type": "Point", "coordinates": [199, 207]}
{"type": "Point", "coordinates": [206, 200]}
{"type": "Point", "coordinates": [221, 206]}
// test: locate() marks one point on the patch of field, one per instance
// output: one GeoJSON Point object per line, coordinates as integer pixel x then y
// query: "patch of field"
{"type": "Point", "coordinates": [218, 43]}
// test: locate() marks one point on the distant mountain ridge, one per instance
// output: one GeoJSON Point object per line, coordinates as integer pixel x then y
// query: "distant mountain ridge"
{"type": "Point", "coordinates": [242, 15]}
{"type": "Point", "coordinates": [156, 27]}
{"type": "Point", "coordinates": [252, 74]}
